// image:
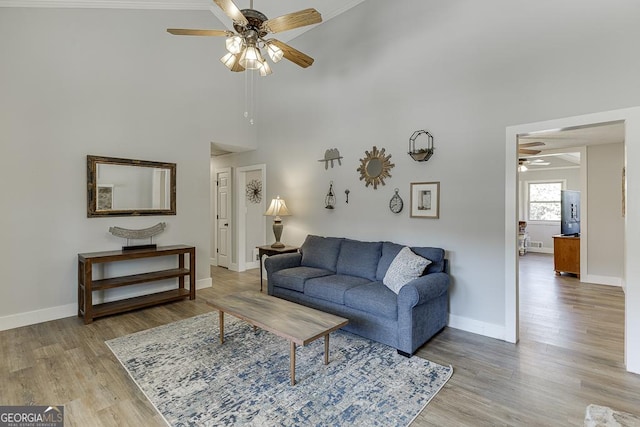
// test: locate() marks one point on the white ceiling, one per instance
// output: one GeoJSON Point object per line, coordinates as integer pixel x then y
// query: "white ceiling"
{"type": "Point", "coordinates": [559, 144]}
{"type": "Point", "coordinates": [558, 139]}
{"type": "Point", "coordinates": [272, 8]}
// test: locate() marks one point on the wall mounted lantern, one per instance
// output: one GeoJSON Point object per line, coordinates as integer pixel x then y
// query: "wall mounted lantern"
{"type": "Point", "coordinates": [421, 154]}
{"type": "Point", "coordinates": [330, 199]}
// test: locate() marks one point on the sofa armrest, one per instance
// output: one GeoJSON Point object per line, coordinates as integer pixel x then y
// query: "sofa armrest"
{"type": "Point", "coordinates": [423, 289]}
{"type": "Point", "coordinates": [279, 262]}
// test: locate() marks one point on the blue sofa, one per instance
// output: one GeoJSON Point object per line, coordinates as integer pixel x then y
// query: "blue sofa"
{"type": "Point", "coordinates": [345, 277]}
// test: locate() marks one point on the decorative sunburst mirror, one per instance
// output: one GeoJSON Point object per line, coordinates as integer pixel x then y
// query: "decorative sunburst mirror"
{"type": "Point", "coordinates": [375, 167]}
{"type": "Point", "coordinates": [254, 191]}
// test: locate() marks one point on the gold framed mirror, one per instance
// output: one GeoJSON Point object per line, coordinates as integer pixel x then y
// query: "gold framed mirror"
{"type": "Point", "coordinates": [127, 187]}
{"type": "Point", "coordinates": [375, 167]}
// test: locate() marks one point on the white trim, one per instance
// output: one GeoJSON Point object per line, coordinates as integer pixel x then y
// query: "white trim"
{"type": "Point", "coordinates": [37, 316]}
{"type": "Point", "coordinates": [601, 280]}
{"type": "Point", "coordinates": [490, 330]}
{"type": "Point", "coordinates": [584, 212]}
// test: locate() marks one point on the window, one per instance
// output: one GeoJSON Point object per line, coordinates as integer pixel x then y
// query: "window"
{"type": "Point", "coordinates": [544, 200]}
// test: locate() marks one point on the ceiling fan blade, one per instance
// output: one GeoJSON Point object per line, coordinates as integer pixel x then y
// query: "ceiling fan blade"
{"type": "Point", "coordinates": [293, 20]}
{"type": "Point", "coordinates": [531, 144]}
{"type": "Point", "coordinates": [293, 55]}
{"type": "Point", "coordinates": [526, 151]}
{"type": "Point", "coordinates": [186, 32]}
{"type": "Point", "coordinates": [232, 11]}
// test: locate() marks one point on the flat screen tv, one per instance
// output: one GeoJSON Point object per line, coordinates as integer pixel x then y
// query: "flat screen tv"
{"type": "Point", "coordinates": [570, 213]}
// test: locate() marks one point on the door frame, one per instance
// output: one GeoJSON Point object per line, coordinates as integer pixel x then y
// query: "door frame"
{"type": "Point", "coordinates": [631, 269]}
{"type": "Point", "coordinates": [240, 218]}
{"type": "Point", "coordinates": [214, 217]}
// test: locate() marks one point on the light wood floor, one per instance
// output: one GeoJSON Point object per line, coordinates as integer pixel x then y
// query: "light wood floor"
{"type": "Point", "coordinates": [570, 355]}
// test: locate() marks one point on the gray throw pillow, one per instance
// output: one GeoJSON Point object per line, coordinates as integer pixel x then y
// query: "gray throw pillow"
{"type": "Point", "coordinates": [405, 267]}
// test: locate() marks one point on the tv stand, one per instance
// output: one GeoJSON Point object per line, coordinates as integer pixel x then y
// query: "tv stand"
{"type": "Point", "coordinates": [566, 254]}
{"type": "Point", "coordinates": [86, 284]}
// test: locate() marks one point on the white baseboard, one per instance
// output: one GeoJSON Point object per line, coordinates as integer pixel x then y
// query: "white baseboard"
{"type": "Point", "coordinates": [54, 313]}
{"type": "Point", "coordinates": [204, 283]}
{"type": "Point", "coordinates": [213, 262]}
{"type": "Point", "coordinates": [252, 265]}
{"type": "Point", "coordinates": [601, 280]}
{"type": "Point", "coordinates": [541, 250]}
{"type": "Point", "coordinates": [490, 330]}
{"type": "Point", "coordinates": [37, 316]}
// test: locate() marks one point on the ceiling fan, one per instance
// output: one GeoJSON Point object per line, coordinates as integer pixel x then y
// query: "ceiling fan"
{"type": "Point", "coordinates": [252, 27]}
{"type": "Point", "coordinates": [523, 163]}
{"type": "Point", "coordinates": [526, 148]}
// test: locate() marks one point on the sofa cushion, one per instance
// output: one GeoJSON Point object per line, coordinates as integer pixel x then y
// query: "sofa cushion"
{"type": "Point", "coordinates": [294, 278]}
{"type": "Point", "coordinates": [359, 258]}
{"type": "Point", "coordinates": [373, 298]}
{"type": "Point", "coordinates": [405, 267]}
{"type": "Point", "coordinates": [389, 252]}
{"type": "Point", "coordinates": [435, 255]}
{"type": "Point", "coordinates": [320, 252]}
{"type": "Point", "coordinates": [332, 288]}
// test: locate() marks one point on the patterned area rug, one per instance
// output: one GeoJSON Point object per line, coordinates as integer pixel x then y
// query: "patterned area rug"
{"type": "Point", "coordinates": [603, 416]}
{"type": "Point", "coordinates": [193, 380]}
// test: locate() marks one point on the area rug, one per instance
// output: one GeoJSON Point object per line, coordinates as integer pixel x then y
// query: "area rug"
{"type": "Point", "coordinates": [193, 380]}
{"type": "Point", "coordinates": [603, 416]}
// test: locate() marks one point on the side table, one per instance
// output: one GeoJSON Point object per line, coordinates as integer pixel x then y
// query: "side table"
{"type": "Point", "coordinates": [269, 251]}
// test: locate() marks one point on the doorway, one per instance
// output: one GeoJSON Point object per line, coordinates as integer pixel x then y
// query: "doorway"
{"type": "Point", "coordinates": [222, 222]}
{"type": "Point", "coordinates": [250, 193]}
{"type": "Point", "coordinates": [631, 119]}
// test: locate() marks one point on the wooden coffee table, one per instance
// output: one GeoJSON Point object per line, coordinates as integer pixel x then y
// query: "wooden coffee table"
{"type": "Point", "coordinates": [294, 322]}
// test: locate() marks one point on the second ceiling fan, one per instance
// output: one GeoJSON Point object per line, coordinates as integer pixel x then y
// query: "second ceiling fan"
{"type": "Point", "coordinates": [244, 46]}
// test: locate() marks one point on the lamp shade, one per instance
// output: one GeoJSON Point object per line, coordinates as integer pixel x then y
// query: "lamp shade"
{"type": "Point", "coordinates": [251, 58]}
{"type": "Point", "coordinates": [277, 208]}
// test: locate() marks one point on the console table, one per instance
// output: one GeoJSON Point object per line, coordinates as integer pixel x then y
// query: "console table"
{"type": "Point", "coordinates": [86, 283]}
{"type": "Point", "coordinates": [269, 251]}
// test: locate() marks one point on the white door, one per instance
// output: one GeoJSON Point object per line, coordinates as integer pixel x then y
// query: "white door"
{"type": "Point", "coordinates": [223, 217]}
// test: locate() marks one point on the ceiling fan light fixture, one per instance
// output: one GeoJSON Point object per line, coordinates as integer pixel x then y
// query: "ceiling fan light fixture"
{"type": "Point", "coordinates": [522, 168]}
{"type": "Point", "coordinates": [265, 69]}
{"type": "Point", "coordinates": [251, 58]}
{"type": "Point", "coordinates": [275, 53]}
{"type": "Point", "coordinates": [234, 44]}
{"type": "Point", "coordinates": [229, 60]}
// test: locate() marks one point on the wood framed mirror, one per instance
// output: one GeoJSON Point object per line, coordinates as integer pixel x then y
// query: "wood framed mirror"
{"type": "Point", "coordinates": [375, 167]}
{"type": "Point", "coordinates": [127, 187]}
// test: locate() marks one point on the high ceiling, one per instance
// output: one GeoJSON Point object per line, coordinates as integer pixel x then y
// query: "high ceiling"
{"type": "Point", "coordinates": [272, 8]}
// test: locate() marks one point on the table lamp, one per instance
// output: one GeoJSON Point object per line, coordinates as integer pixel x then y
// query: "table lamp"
{"type": "Point", "coordinates": [277, 209]}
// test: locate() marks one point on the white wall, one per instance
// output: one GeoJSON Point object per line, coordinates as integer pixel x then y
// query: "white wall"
{"type": "Point", "coordinates": [544, 232]}
{"type": "Point", "coordinates": [465, 72]}
{"type": "Point", "coordinates": [104, 82]}
{"type": "Point", "coordinates": [606, 223]}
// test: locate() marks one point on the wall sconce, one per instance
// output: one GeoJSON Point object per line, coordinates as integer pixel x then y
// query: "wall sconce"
{"type": "Point", "coordinates": [277, 209]}
{"type": "Point", "coordinates": [421, 154]}
{"type": "Point", "coordinates": [330, 199]}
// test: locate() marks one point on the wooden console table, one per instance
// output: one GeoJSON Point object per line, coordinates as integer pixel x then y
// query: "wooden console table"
{"type": "Point", "coordinates": [566, 254]}
{"type": "Point", "coordinates": [86, 283]}
{"type": "Point", "coordinates": [269, 251]}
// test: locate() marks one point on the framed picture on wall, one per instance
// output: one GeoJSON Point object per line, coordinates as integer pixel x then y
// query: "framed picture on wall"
{"type": "Point", "coordinates": [425, 200]}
